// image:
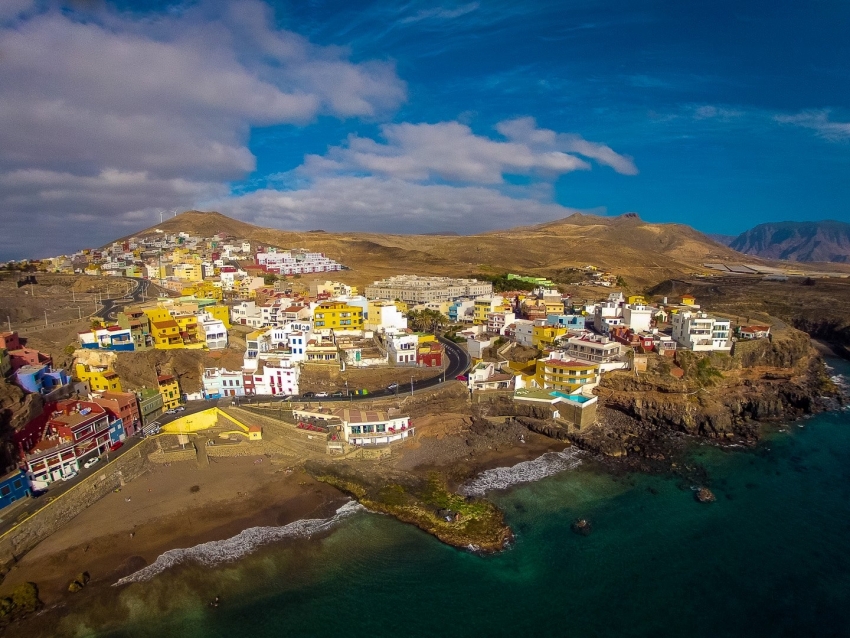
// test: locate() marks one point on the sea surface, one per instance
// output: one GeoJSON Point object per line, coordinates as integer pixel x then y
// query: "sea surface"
{"type": "Point", "coordinates": [771, 557]}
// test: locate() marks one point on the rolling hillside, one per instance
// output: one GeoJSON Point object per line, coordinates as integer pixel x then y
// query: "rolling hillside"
{"type": "Point", "coordinates": [641, 252]}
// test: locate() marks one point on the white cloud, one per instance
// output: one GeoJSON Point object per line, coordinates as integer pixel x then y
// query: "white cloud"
{"type": "Point", "coordinates": [169, 97]}
{"type": "Point", "coordinates": [524, 130]}
{"type": "Point", "coordinates": [442, 13]}
{"type": "Point", "coordinates": [386, 205]}
{"type": "Point", "coordinates": [450, 151]}
{"type": "Point", "coordinates": [425, 178]}
{"type": "Point", "coordinates": [819, 122]}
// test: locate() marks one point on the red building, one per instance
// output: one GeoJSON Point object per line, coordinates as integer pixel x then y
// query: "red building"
{"type": "Point", "coordinates": [430, 354]}
{"type": "Point", "coordinates": [124, 406]}
{"type": "Point", "coordinates": [28, 357]}
{"type": "Point", "coordinates": [74, 430]}
{"type": "Point", "coordinates": [10, 341]}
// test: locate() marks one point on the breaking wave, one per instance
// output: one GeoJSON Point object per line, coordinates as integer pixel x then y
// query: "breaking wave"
{"type": "Point", "coordinates": [217, 552]}
{"type": "Point", "coordinates": [501, 478]}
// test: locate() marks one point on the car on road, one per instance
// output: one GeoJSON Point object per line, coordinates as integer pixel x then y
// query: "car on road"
{"type": "Point", "coordinates": [308, 395]}
{"type": "Point", "coordinates": [90, 462]}
{"type": "Point", "coordinates": [172, 411]}
{"type": "Point", "coordinates": [116, 445]}
{"type": "Point", "coordinates": [392, 386]}
{"type": "Point", "coordinates": [70, 476]}
{"type": "Point", "coordinates": [321, 395]}
{"type": "Point", "coordinates": [340, 393]}
{"type": "Point", "coordinates": [180, 409]}
{"type": "Point", "coordinates": [462, 377]}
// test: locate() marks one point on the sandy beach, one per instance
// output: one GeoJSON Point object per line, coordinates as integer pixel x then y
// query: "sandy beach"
{"type": "Point", "coordinates": [159, 511]}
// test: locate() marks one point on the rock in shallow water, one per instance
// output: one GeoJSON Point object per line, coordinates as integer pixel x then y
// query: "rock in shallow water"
{"type": "Point", "coordinates": [705, 495]}
{"type": "Point", "coordinates": [582, 527]}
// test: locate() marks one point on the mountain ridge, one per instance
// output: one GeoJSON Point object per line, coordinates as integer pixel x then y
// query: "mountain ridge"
{"type": "Point", "coordinates": [641, 251]}
{"type": "Point", "coordinates": [822, 241]}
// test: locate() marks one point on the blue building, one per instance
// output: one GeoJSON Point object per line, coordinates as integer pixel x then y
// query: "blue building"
{"type": "Point", "coordinates": [572, 322]}
{"type": "Point", "coordinates": [41, 379]}
{"type": "Point", "coordinates": [14, 486]}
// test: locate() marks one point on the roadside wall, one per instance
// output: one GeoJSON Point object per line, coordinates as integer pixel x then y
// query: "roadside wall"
{"type": "Point", "coordinates": [66, 506]}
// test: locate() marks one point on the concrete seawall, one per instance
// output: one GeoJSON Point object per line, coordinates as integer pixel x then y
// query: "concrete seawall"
{"type": "Point", "coordinates": [44, 522]}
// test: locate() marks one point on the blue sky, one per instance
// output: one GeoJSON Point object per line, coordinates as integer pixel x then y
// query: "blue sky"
{"type": "Point", "coordinates": [419, 117]}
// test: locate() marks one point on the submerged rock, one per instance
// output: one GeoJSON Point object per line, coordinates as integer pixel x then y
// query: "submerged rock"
{"type": "Point", "coordinates": [705, 495]}
{"type": "Point", "coordinates": [582, 527]}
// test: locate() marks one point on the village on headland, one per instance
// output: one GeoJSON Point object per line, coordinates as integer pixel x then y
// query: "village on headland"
{"type": "Point", "coordinates": [291, 363]}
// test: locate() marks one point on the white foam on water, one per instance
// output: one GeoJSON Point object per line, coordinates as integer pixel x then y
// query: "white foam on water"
{"type": "Point", "coordinates": [230, 549]}
{"type": "Point", "coordinates": [501, 478]}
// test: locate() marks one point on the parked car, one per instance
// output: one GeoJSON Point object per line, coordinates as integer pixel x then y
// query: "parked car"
{"type": "Point", "coordinates": [180, 409]}
{"type": "Point", "coordinates": [70, 476]}
{"type": "Point", "coordinates": [340, 393]}
{"type": "Point", "coordinates": [321, 395]}
{"type": "Point", "coordinates": [462, 377]}
{"type": "Point", "coordinates": [90, 462]}
{"type": "Point", "coordinates": [116, 445]}
{"type": "Point", "coordinates": [392, 386]}
{"type": "Point", "coordinates": [172, 411]}
{"type": "Point", "coordinates": [308, 395]}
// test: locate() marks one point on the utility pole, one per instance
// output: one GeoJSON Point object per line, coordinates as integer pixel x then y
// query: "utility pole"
{"type": "Point", "coordinates": [411, 385]}
{"type": "Point", "coordinates": [45, 318]}
{"type": "Point", "coordinates": [9, 323]}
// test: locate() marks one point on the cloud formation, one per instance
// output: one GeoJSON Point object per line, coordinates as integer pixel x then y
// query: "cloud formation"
{"type": "Point", "coordinates": [162, 106]}
{"type": "Point", "coordinates": [386, 205]}
{"type": "Point", "coordinates": [819, 122]}
{"type": "Point", "coordinates": [442, 13]}
{"type": "Point", "coordinates": [426, 178]}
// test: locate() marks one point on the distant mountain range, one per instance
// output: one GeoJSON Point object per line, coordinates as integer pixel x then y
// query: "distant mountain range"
{"type": "Point", "coordinates": [825, 241]}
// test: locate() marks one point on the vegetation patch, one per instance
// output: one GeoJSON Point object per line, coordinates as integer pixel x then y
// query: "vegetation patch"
{"type": "Point", "coordinates": [429, 505]}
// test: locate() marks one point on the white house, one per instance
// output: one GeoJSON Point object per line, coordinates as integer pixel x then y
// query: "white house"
{"type": "Point", "coordinates": [637, 317]}
{"type": "Point", "coordinates": [607, 314]}
{"type": "Point", "coordinates": [701, 332]}
{"type": "Point", "coordinates": [276, 376]}
{"type": "Point", "coordinates": [478, 344]}
{"type": "Point", "coordinates": [498, 321]}
{"type": "Point", "coordinates": [219, 382]}
{"type": "Point", "coordinates": [215, 332]}
{"type": "Point", "coordinates": [401, 348]}
{"type": "Point", "coordinates": [524, 330]}
{"type": "Point", "coordinates": [601, 350]}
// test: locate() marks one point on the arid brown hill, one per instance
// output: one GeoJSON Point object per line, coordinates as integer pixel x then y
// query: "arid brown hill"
{"type": "Point", "coordinates": [642, 252]}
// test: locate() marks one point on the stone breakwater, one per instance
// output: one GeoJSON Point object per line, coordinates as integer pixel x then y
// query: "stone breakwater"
{"type": "Point", "coordinates": [501, 478]}
{"type": "Point", "coordinates": [217, 552]}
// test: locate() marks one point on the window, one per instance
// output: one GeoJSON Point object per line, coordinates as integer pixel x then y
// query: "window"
{"type": "Point", "coordinates": [17, 484]}
{"type": "Point", "coordinates": [5, 490]}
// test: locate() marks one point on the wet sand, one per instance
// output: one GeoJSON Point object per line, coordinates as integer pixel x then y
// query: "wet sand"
{"type": "Point", "coordinates": [129, 529]}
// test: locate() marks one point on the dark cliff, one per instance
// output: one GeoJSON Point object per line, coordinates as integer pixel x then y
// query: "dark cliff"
{"type": "Point", "coordinates": [797, 241]}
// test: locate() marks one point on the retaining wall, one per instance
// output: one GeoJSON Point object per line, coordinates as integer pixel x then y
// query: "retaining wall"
{"type": "Point", "coordinates": [44, 522]}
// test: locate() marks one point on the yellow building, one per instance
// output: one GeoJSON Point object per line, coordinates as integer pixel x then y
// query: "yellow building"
{"type": "Point", "coordinates": [222, 313]}
{"type": "Point", "coordinates": [188, 330]}
{"type": "Point", "coordinates": [170, 391]}
{"type": "Point", "coordinates": [425, 338]}
{"type": "Point", "coordinates": [688, 300]}
{"type": "Point", "coordinates": [636, 299]}
{"type": "Point", "coordinates": [100, 380]}
{"type": "Point", "coordinates": [403, 308]}
{"type": "Point", "coordinates": [545, 336]}
{"type": "Point", "coordinates": [338, 316]}
{"type": "Point", "coordinates": [565, 375]}
{"type": "Point", "coordinates": [189, 272]}
{"type": "Point", "coordinates": [485, 306]}
{"type": "Point", "coordinates": [204, 290]}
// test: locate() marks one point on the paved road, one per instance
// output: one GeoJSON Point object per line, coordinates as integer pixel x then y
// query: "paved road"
{"type": "Point", "coordinates": [459, 361]}
{"type": "Point", "coordinates": [110, 307]}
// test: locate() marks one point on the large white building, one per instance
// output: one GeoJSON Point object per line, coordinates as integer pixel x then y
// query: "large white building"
{"type": "Point", "coordinates": [637, 317]}
{"type": "Point", "coordinates": [414, 289]}
{"type": "Point", "coordinates": [524, 332]}
{"type": "Point", "coordinates": [295, 262]}
{"type": "Point", "coordinates": [600, 350]}
{"type": "Point", "coordinates": [701, 332]}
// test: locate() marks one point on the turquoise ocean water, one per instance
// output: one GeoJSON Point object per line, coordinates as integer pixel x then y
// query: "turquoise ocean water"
{"type": "Point", "coordinates": [770, 558]}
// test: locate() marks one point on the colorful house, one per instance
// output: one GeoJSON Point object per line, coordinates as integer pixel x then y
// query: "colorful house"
{"type": "Point", "coordinates": [169, 388]}
{"type": "Point", "coordinates": [566, 375]}
{"type": "Point", "coordinates": [337, 315]}
{"type": "Point", "coordinates": [544, 336]}
{"type": "Point", "coordinates": [100, 379]}
{"type": "Point", "coordinates": [13, 487]}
